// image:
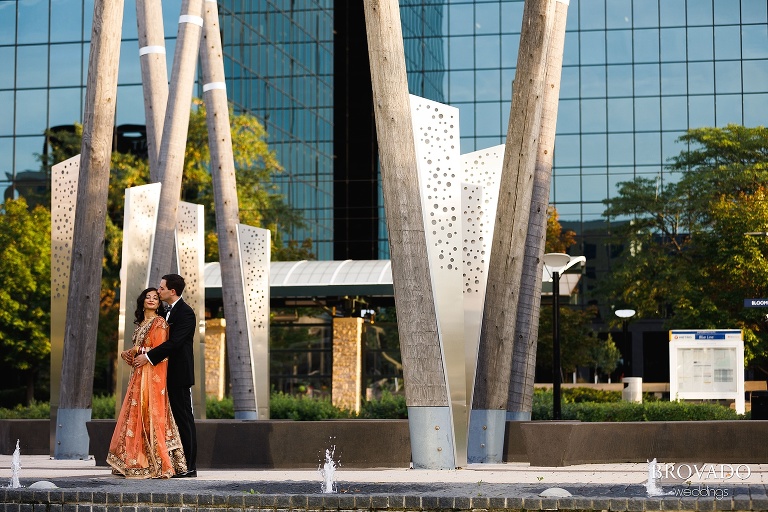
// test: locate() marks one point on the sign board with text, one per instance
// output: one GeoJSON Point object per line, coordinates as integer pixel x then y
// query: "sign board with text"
{"type": "Point", "coordinates": [707, 364]}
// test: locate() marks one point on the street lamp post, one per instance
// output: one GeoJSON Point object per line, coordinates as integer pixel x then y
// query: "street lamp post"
{"type": "Point", "coordinates": [556, 376]}
{"type": "Point", "coordinates": [625, 315]}
{"type": "Point", "coordinates": [557, 263]}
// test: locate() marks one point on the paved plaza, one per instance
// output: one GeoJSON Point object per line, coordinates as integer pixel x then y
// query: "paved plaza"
{"type": "Point", "coordinates": [517, 486]}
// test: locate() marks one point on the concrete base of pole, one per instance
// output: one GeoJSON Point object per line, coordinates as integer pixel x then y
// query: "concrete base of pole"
{"type": "Point", "coordinates": [518, 416]}
{"type": "Point", "coordinates": [72, 434]}
{"type": "Point", "coordinates": [246, 415]}
{"type": "Point", "coordinates": [486, 436]}
{"type": "Point", "coordinates": [432, 443]}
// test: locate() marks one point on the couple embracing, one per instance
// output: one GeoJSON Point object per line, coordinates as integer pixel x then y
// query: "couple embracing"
{"type": "Point", "coordinates": [155, 432]}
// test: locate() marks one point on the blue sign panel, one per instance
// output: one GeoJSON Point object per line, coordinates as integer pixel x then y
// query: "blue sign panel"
{"type": "Point", "coordinates": [756, 303]}
{"type": "Point", "coordinates": [706, 334]}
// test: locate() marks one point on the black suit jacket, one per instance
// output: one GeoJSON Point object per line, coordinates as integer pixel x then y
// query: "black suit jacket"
{"type": "Point", "coordinates": [182, 324]}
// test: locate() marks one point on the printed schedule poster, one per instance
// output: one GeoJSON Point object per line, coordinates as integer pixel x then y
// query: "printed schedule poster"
{"type": "Point", "coordinates": [706, 369]}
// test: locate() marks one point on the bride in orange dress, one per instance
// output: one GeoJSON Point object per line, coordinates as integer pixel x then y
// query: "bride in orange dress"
{"type": "Point", "coordinates": [146, 441]}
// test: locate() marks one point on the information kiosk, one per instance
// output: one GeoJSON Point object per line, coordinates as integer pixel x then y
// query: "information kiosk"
{"type": "Point", "coordinates": [707, 365]}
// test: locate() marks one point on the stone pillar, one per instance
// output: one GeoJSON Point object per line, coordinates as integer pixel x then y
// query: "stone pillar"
{"type": "Point", "coordinates": [347, 363]}
{"type": "Point", "coordinates": [215, 378]}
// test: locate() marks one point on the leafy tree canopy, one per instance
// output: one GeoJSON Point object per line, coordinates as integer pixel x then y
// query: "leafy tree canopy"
{"type": "Point", "coordinates": [578, 341]}
{"type": "Point", "coordinates": [685, 253]}
{"type": "Point", "coordinates": [25, 271]}
{"type": "Point", "coordinates": [557, 240]}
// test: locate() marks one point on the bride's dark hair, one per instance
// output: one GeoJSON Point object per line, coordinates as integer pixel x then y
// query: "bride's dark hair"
{"type": "Point", "coordinates": [139, 315]}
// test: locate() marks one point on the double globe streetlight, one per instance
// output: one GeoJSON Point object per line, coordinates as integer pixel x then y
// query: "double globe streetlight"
{"type": "Point", "coordinates": [556, 264]}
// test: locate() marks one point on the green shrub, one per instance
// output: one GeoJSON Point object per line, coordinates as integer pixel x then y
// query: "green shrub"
{"type": "Point", "coordinates": [33, 411]}
{"type": "Point", "coordinates": [578, 395]}
{"type": "Point", "coordinates": [216, 409]}
{"type": "Point", "coordinates": [103, 407]}
{"type": "Point", "coordinates": [283, 406]}
{"type": "Point", "coordinates": [303, 408]}
{"type": "Point", "coordinates": [389, 406]}
{"type": "Point", "coordinates": [630, 411]}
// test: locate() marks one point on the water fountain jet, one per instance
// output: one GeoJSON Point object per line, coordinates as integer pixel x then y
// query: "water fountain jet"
{"type": "Point", "coordinates": [15, 467]}
{"type": "Point", "coordinates": [652, 486]}
{"type": "Point", "coordinates": [328, 471]}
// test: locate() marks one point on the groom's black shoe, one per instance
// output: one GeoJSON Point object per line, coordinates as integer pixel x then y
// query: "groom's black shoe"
{"type": "Point", "coordinates": [187, 474]}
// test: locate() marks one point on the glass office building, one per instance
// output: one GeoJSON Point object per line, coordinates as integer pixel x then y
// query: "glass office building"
{"type": "Point", "coordinates": [636, 75]}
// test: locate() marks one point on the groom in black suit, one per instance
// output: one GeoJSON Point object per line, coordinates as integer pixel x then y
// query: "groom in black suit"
{"type": "Point", "coordinates": [182, 324]}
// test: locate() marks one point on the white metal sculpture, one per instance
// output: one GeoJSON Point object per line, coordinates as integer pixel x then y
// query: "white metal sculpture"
{"type": "Point", "coordinates": [190, 254]}
{"type": "Point", "coordinates": [436, 137]}
{"type": "Point", "coordinates": [139, 219]}
{"type": "Point", "coordinates": [255, 253]}
{"type": "Point", "coordinates": [459, 195]}
{"type": "Point", "coordinates": [64, 177]}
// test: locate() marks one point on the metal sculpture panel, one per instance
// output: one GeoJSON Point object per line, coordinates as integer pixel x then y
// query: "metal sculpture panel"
{"type": "Point", "coordinates": [481, 177]}
{"type": "Point", "coordinates": [255, 254]}
{"type": "Point", "coordinates": [64, 179]}
{"type": "Point", "coordinates": [190, 253]}
{"type": "Point", "coordinates": [139, 220]}
{"type": "Point", "coordinates": [436, 135]}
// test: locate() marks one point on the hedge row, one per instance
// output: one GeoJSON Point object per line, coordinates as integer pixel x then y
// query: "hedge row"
{"type": "Point", "coordinates": [282, 406]}
{"type": "Point", "coordinates": [582, 404]}
{"type": "Point", "coordinates": [649, 410]}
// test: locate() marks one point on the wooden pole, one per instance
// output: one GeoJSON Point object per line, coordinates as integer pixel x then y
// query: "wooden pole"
{"type": "Point", "coordinates": [520, 399]}
{"type": "Point", "coordinates": [506, 261]}
{"type": "Point", "coordinates": [244, 389]}
{"type": "Point", "coordinates": [423, 371]}
{"type": "Point", "coordinates": [174, 141]}
{"type": "Point", "coordinates": [154, 77]}
{"type": "Point", "coordinates": [419, 344]}
{"type": "Point", "coordinates": [83, 300]}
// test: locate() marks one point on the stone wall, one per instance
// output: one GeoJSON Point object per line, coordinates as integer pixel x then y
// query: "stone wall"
{"type": "Point", "coordinates": [347, 363]}
{"type": "Point", "coordinates": [215, 354]}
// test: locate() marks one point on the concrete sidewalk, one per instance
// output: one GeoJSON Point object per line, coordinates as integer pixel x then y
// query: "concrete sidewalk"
{"type": "Point", "coordinates": [40, 467]}
{"type": "Point", "coordinates": [480, 486]}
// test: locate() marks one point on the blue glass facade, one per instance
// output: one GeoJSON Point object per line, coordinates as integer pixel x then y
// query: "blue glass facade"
{"type": "Point", "coordinates": [636, 74]}
{"type": "Point", "coordinates": [279, 67]}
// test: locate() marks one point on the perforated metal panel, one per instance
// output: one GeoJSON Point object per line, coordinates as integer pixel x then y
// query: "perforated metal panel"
{"type": "Point", "coordinates": [255, 253]}
{"type": "Point", "coordinates": [190, 251]}
{"type": "Point", "coordinates": [139, 221]}
{"type": "Point", "coordinates": [481, 177]}
{"type": "Point", "coordinates": [64, 179]}
{"type": "Point", "coordinates": [436, 134]}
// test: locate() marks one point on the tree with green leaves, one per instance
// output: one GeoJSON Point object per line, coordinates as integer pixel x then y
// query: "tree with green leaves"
{"type": "Point", "coordinates": [686, 252]}
{"type": "Point", "coordinates": [25, 271]}
{"type": "Point", "coordinates": [261, 204]}
{"type": "Point", "coordinates": [577, 339]}
{"type": "Point", "coordinates": [605, 357]}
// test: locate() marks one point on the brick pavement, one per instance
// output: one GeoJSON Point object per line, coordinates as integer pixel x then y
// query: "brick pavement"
{"type": "Point", "coordinates": [83, 487]}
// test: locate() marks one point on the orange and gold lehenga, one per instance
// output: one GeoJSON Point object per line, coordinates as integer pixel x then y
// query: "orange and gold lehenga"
{"type": "Point", "coordinates": [146, 441]}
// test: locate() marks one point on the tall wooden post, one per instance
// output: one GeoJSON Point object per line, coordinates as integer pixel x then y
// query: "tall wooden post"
{"type": "Point", "coordinates": [82, 317]}
{"type": "Point", "coordinates": [244, 388]}
{"type": "Point", "coordinates": [489, 407]}
{"type": "Point", "coordinates": [520, 399]}
{"type": "Point", "coordinates": [154, 77]}
{"type": "Point", "coordinates": [425, 382]}
{"type": "Point", "coordinates": [174, 142]}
